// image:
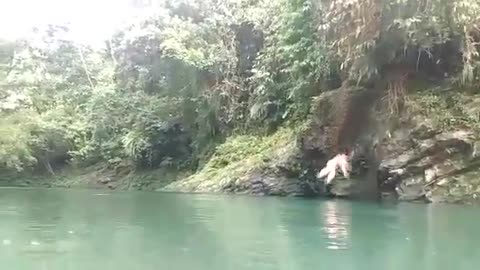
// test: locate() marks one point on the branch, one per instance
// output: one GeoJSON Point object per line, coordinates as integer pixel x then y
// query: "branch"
{"type": "Point", "coordinates": [110, 44]}
{"type": "Point", "coordinates": [85, 66]}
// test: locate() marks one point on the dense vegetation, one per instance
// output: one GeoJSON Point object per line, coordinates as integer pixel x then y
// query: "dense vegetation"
{"type": "Point", "coordinates": [165, 90]}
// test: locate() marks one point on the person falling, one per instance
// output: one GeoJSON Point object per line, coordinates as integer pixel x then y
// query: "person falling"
{"type": "Point", "coordinates": [340, 161]}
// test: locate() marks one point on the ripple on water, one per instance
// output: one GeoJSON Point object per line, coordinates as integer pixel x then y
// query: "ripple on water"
{"type": "Point", "coordinates": [40, 227]}
{"type": "Point", "coordinates": [10, 211]}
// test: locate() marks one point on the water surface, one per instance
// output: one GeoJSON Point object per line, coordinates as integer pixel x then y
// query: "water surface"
{"type": "Point", "coordinates": [77, 229]}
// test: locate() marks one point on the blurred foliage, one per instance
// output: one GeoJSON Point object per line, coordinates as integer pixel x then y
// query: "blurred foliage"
{"type": "Point", "coordinates": [288, 71]}
{"type": "Point", "coordinates": [367, 37]}
{"type": "Point", "coordinates": [168, 87]}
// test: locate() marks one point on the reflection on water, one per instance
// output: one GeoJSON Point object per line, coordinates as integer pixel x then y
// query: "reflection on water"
{"type": "Point", "coordinates": [67, 229]}
{"type": "Point", "coordinates": [336, 225]}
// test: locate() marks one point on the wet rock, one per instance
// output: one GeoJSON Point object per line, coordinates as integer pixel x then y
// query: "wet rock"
{"type": "Point", "coordinates": [412, 188]}
{"type": "Point", "coordinates": [259, 184]}
{"type": "Point", "coordinates": [341, 188]}
{"type": "Point", "coordinates": [431, 174]}
{"type": "Point", "coordinates": [105, 180]}
{"type": "Point", "coordinates": [434, 157]}
{"type": "Point", "coordinates": [437, 195]}
{"type": "Point", "coordinates": [443, 182]}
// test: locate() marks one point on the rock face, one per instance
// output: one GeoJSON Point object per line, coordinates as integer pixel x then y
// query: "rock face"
{"type": "Point", "coordinates": [420, 163]}
{"type": "Point", "coordinates": [409, 160]}
{"type": "Point", "coordinates": [284, 174]}
{"type": "Point", "coordinates": [359, 133]}
{"type": "Point", "coordinates": [291, 169]}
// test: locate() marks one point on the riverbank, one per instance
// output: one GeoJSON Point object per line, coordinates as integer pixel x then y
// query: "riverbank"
{"type": "Point", "coordinates": [95, 177]}
{"type": "Point", "coordinates": [429, 154]}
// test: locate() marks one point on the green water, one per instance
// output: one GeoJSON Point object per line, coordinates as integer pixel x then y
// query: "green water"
{"type": "Point", "coordinates": [68, 229]}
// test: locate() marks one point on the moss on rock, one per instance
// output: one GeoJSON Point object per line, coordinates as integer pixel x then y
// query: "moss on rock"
{"type": "Point", "coordinates": [267, 165]}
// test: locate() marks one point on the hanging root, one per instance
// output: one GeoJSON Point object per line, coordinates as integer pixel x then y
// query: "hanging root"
{"type": "Point", "coordinates": [469, 54]}
{"type": "Point", "coordinates": [396, 96]}
{"type": "Point", "coordinates": [341, 119]}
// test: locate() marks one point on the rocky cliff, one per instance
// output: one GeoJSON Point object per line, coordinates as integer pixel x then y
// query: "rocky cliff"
{"type": "Point", "coordinates": [428, 153]}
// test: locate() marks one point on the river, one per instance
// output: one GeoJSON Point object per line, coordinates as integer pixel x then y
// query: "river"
{"type": "Point", "coordinates": [88, 229]}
